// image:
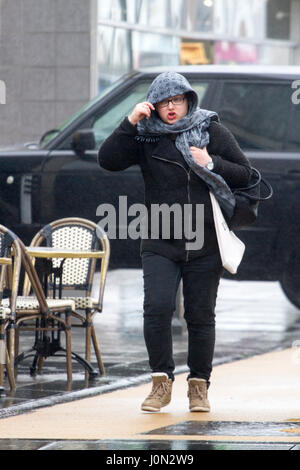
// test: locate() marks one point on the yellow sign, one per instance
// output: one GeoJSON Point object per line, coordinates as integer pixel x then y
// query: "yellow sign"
{"type": "Point", "coordinates": [192, 53]}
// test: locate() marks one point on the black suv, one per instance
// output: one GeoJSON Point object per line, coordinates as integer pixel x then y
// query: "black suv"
{"type": "Point", "coordinates": [60, 177]}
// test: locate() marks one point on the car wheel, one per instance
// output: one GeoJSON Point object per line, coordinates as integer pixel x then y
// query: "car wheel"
{"type": "Point", "coordinates": [290, 281]}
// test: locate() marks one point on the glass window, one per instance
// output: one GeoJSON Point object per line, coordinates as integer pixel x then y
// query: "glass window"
{"type": "Point", "coordinates": [114, 54]}
{"type": "Point", "coordinates": [293, 144]}
{"type": "Point", "coordinates": [153, 13]}
{"type": "Point", "coordinates": [278, 19]}
{"type": "Point", "coordinates": [239, 19]}
{"type": "Point", "coordinates": [154, 49]}
{"type": "Point", "coordinates": [200, 88]}
{"type": "Point", "coordinates": [256, 113]}
{"type": "Point", "coordinates": [105, 124]}
{"type": "Point", "coordinates": [279, 55]}
{"type": "Point", "coordinates": [197, 16]}
{"type": "Point", "coordinates": [157, 13]}
{"type": "Point", "coordinates": [111, 10]}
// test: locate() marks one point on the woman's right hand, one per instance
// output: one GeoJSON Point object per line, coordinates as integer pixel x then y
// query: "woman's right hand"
{"type": "Point", "coordinates": [141, 110]}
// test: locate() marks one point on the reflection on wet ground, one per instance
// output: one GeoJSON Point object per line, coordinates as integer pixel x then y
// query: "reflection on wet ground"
{"type": "Point", "coordinates": [227, 428]}
{"type": "Point", "coordinates": [251, 318]}
{"type": "Point", "coordinates": [142, 445]}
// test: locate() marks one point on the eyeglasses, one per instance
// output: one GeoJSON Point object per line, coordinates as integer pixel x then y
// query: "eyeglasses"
{"type": "Point", "coordinates": [176, 101]}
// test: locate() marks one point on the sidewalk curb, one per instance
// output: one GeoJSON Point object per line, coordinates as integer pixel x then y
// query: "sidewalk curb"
{"type": "Point", "coordinates": [72, 396]}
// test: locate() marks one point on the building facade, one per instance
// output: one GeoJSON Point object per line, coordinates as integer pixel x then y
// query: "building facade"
{"type": "Point", "coordinates": [55, 55]}
{"type": "Point", "coordinates": [139, 33]}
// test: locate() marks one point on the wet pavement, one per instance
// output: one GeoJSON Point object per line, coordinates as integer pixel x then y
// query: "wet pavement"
{"type": "Point", "coordinates": [146, 445]}
{"type": "Point", "coordinates": [252, 318]}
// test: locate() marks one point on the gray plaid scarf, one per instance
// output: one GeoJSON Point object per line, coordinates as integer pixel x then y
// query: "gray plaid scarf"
{"type": "Point", "coordinates": [191, 131]}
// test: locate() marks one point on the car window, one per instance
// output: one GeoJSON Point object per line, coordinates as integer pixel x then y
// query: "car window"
{"type": "Point", "coordinates": [293, 144]}
{"type": "Point", "coordinates": [85, 107]}
{"type": "Point", "coordinates": [200, 88]}
{"type": "Point", "coordinates": [107, 122]}
{"type": "Point", "coordinates": [256, 113]}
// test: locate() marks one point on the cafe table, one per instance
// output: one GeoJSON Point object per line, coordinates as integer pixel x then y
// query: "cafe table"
{"type": "Point", "coordinates": [50, 253]}
{"type": "Point", "coordinates": [53, 252]}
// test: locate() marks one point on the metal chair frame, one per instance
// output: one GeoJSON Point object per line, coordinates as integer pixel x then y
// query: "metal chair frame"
{"type": "Point", "coordinates": [78, 274]}
{"type": "Point", "coordinates": [46, 313]}
{"type": "Point", "coordinates": [9, 282]}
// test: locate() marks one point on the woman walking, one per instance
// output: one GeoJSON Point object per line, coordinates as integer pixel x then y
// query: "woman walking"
{"type": "Point", "coordinates": [183, 152]}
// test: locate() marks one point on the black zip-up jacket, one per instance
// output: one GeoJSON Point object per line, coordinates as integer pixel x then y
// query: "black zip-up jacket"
{"type": "Point", "coordinates": [169, 180]}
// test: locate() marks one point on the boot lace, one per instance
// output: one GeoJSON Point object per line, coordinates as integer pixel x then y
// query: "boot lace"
{"type": "Point", "coordinates": [196, 392]}
{"type": "Point", "coordinates": [159, 390]}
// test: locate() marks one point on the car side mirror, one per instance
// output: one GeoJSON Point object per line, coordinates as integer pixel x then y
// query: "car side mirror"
{"type": "Point", "coordinates": [83, 140]}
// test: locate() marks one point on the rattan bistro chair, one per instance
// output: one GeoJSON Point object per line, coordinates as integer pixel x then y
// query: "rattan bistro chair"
{"type": "Point", "coordinates": [31, 313]}
{"type": "Point", "coordinates": [9, 281]}
{"type": "Point", "coordinates": [78, 274]}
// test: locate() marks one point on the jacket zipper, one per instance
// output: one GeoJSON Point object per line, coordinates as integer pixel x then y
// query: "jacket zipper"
{"type": "Point", "coordinates": [190, 215]}
{"type": "Point", "coordinates": [188, 190]}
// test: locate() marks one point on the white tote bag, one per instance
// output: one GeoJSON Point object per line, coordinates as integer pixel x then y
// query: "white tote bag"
{"type": "Point", "coordinates": [230, 246]}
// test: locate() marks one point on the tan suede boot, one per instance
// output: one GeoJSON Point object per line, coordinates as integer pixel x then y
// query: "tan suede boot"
{"type": "Point", "coordinates": [197, 394]}
{"type": "Point", "coordinates": [160, 394]}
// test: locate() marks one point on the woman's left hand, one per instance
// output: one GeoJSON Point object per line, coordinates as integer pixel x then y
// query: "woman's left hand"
{"type": "Point", "coordinates": [200, 156]}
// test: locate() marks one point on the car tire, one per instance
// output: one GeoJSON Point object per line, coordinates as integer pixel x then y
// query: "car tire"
{"type": "Point", "coordinates": [290, 281]}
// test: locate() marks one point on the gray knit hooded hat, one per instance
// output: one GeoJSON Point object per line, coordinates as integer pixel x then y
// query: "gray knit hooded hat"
{"type": "Point", "coordinates": [171, 84]}
{"type": "Point", "coordinates": [164, 86]}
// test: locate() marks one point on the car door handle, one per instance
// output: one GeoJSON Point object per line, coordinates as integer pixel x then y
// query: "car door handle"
{"type": "Point", "coordinates": [294, 172]}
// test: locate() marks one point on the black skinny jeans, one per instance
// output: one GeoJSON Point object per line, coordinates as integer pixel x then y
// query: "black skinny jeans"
{"type": "Point", "coordinates": [200, 279]}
